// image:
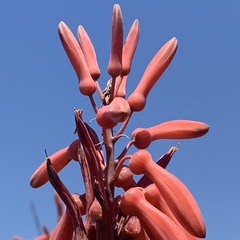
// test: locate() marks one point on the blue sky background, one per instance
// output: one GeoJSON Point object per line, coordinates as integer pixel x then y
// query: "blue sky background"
{"type": "Point", "coordinates": [39, 91]}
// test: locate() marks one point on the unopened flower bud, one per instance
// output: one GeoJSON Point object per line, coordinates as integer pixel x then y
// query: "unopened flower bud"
{"type": "Point", "coordinates": [89, 53]}
{"type": "Point", "coordinates": [95, 210]}
{"type": "Point", "coordinates": [156, 224]}
{"type": "Point", "coordinates": [132, 228]}
{"type": "Point", "coordinates": [87, 86]}
{"type": "Point", "coordinates": [110, 115]}
{"type": "Point", "coordinates": [125, 179]}
{"type": "Point", "coordinates": [175, 193]}
{"type": "Point", "coordinates": [59, 160]}
{"type": "Point", "coordinates": [129, 47]}
{"type": "Point", "coordinates": [178, 129]}
{"type": "Point", "coordinates": [115, 61]}
{"type": "Point", "coordinates": [137, 100]}
{"type": "Point", "coordinates": [142, 138]}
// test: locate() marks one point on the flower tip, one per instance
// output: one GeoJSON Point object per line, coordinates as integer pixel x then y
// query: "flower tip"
{"type": "Point", "coordinates": [203, 129]}
{"type": "Point", "coordinates": [61, 25]}
{"type": "Point", "coordinates": [34, 183]}
{"type": "Point", "coordinates": [174, 43]}
{"type": "Point", "coordinates": [136, 22]}
{"type": "Point", "coordinates": [174, 39]}
{"type": "Point", "coordinates": [81, 28]}
{"type": "Point", "coordinates": [39, 177]}
{"type": "Point", "coordinates": [116, 7]}
{"type": "Point", "coordinates": [117, 11]}
{"type": "Point", "coordinates": [171, 47]}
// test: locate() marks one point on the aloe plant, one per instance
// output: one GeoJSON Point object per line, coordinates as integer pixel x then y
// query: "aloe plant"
{"type": "Point", "coordinates": [158, 206]}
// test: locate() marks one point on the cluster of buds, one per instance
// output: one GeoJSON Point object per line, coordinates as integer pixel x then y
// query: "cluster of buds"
{"type": "Point", "coordinates": [159, 205]}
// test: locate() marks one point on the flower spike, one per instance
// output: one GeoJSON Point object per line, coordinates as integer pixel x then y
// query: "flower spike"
{"type": "Point", "coordinates": [158, 206]}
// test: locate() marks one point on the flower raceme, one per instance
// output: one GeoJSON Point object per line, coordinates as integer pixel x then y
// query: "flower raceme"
{"type": "Point", "coordinates": [159, 205]}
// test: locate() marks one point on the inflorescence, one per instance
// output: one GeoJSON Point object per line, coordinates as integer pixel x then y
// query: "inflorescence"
{"type": "Point", "coordinates": [159, 205]}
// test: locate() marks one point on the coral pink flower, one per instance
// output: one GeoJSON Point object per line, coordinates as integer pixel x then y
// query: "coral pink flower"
{"type": "Point", "coordinates": [177, 196]}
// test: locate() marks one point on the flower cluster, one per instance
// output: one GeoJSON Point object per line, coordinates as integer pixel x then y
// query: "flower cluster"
{"type": "Point", "coordinates": [158, 206]}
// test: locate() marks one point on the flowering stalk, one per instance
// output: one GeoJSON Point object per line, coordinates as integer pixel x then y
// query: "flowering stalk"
{"type": "Point", "coordinates": [158, 206]}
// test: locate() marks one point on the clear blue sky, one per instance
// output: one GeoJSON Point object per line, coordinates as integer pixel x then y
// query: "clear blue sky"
{"type": "Point", "coordinates": [39, 91]}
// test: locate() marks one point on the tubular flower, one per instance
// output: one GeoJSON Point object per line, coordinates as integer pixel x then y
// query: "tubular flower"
{"type": "Point", "coordinates": [159, 205]}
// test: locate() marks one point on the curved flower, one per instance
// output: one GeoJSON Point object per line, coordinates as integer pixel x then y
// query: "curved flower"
{"type": "Point", "coordinates": [59, 160]}
{"type": "Point", "coordinates": [156, 223]}
{"type": "Point", "coordinates": [89, 53]}
{"type": "Point", "coordinates": [175, 193]}
{"type": "Point", "coordinates": [175, 129]}
{"type": "Point", "coordinates": [153, 196]}
{"type": "Point", "coordinates": [154, 70]}
{"type": "Point", "coordinates": [86, 84]}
